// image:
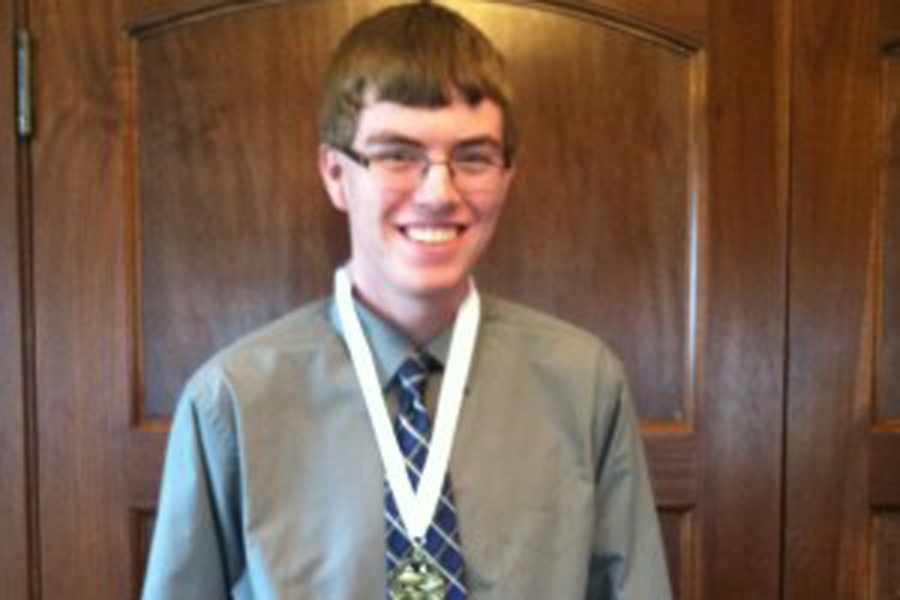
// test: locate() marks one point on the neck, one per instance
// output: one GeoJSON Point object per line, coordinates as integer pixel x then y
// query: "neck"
{"type": "Point", "coordinates": [420, 319]}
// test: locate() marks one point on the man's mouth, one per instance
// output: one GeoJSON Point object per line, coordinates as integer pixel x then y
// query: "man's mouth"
{"type": "Point", "coordinates": [432, 234]}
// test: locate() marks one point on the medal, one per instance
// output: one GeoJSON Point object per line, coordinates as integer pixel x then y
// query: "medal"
{"type": "Point", "coordinates": [417, 578]}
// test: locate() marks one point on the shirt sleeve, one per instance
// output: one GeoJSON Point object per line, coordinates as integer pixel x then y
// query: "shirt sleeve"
{"type": "Point", "coordinates": [628, 560]}
{"type": "Point", "coordinates": [196, 550]}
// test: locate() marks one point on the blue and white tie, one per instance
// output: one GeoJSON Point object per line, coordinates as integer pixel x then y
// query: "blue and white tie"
{"type": "Point", "coordinates": [413, 426]}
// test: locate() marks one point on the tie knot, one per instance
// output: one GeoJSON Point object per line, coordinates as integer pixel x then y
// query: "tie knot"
{"type": "Point", "coordinates": [412, 377]}
{"type": "Point", "coordinates": [419, 365]}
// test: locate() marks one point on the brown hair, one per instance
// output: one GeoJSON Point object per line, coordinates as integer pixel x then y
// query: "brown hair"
{"type": "Point", "coordinates": [422, 55]}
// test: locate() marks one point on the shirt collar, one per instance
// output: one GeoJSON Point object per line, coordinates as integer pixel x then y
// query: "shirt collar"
{"type": "Point", "coordinates": [390, 348]}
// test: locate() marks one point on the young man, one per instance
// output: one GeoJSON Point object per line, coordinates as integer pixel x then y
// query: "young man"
{"type": "Point", "coordinates": [407, 438]}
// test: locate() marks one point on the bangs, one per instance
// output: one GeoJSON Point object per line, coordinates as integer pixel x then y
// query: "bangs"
{"type": "Point", "coordinates": [419, 55]}
{"type": "Point", "coordinates": [424, 89]}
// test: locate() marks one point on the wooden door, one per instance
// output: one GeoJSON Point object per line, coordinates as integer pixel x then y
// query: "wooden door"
{"type": "Point", "coordinates": [176, 205]}
{"type": "Point", "coordinates": [843, 479]}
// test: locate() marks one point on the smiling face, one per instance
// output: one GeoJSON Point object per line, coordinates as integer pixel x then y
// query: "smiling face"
{"type": "Point", "coordinates": [417, 244]}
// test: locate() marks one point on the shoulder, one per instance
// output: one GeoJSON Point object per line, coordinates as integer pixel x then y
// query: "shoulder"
{"type": "Point", "coordinates": [265, 355]}
{"type": "Point", "coordinates": [522, 329]}
{"type": "Point", "coordinates": [307, 328]}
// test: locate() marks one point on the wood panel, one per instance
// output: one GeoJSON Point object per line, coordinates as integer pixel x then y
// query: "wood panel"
{"type": "Point", "coordinates": [744, 301]}
{"type": "Point", "coordinates": [884, 476]}
{"type": "Point", "coordinates": [614, 196]}
{"type": "Point", "coordinates": [887, 391]}
{"type": "Point", "coordinates": [142, 523]}
{"type": "Point", "coordinates": [680, 531]}
{"type": "Point", "coordinates": [234, 227]}
{"type": "Point", "coordinates": [689, 17]}
{"type": "Point", "coordinates": [222, 225]}
{"type": "Point", "coordinates": [81, 300]}
{"type": "Point", "coordinates": [835, 290]}
{"type": "Point", "coordinates": [885, 572]}
{"type": "Point", "coordinates": [14, 550]}
{"type": "Point", "coordinates": [221, 218]}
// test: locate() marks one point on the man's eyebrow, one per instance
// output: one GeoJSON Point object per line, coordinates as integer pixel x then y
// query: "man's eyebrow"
{"type": "Point", "coordinates": [482, 140]}
{"type": "Point", "coordinates": [387, 137]}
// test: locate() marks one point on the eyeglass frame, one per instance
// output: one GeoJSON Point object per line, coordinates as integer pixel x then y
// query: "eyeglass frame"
{"type": "Point", "coordinates": [366, 160]}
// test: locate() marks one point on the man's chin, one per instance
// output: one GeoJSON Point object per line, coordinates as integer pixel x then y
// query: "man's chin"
{"type": "Point", "coordinates": [438, 289]}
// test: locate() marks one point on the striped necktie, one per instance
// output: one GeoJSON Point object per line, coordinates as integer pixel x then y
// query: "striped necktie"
{"type": "Point", "coordinates": [412, 427]}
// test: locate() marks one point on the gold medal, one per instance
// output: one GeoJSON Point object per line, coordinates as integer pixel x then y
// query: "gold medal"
{"type": "Point", "coordinates": [416, 577]}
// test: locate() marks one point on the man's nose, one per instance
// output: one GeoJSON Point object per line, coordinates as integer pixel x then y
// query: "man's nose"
{"type": "Point", "coordinates": [438, 185]}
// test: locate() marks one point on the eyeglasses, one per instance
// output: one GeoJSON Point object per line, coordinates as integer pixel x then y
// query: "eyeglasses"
{"type": "Point", "coordinates": [473, 169]}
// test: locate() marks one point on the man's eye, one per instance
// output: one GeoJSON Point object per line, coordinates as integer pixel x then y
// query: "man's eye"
{"type": "Point", "coordinates": [476, 159]}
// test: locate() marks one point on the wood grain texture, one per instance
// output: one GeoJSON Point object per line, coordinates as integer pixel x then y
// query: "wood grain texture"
{"type": "Point", "coordinates": [686, 19]}
{"type": "Point", "coordinates": [235, 228]}
{"type": "Point", "coordinates": [142, 524]}
{"type": "Point", "coordinates": [889, 24]}
{"type": "Point", "coordinates": [675, 468]}
{"type": "Point", "coordinates": [834, 289]}
{"type": "Point", "coordinates": [14, 548]}
{"type": "Point", "coordinates": [885, 572]}
{"type": "Point", "coordinates": [214, 236]}
{"type": "Point", "coordinates": [744, 299]}
{"type": "Point", "coordinates": [884, 476]}
{"type": "Point", "coordinates": [887, 390]}
{"type": "Point", "coordinates": [81, 300]}
{"type": "Point", "coordinates": [679, 532]}
{"type": "Point", "coordinates": [597, 229]}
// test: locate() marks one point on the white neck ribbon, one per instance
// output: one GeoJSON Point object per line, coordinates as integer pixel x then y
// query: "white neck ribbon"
{"type": "Point", "coordinates": [416, 508]}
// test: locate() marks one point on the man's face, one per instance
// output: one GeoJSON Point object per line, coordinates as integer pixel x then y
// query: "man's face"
{"type": "Point", "coordinates": [419, 240]}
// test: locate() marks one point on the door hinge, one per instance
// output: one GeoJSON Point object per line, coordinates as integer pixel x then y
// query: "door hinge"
{"type": "Point", "coordinates": [24, 108]}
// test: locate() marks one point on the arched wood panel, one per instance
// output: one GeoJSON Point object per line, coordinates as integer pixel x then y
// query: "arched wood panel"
{"type": "Point", "coordinates": [233, 228]}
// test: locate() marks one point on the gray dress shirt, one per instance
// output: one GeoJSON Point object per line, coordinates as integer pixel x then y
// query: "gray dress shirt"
{"type": "Point", "coordinates": [273, 485]}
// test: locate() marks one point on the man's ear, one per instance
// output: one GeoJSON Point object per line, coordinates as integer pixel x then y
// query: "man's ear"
{"type": "Point", "coordinates": [332, 172]}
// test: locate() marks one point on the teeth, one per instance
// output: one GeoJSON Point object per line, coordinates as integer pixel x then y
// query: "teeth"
{"type": "Point", "coordinates": [432, 235]}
